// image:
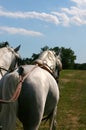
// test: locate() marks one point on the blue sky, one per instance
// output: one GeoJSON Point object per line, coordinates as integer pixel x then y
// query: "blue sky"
{"type": "Point", "coordinates": [37, 23]}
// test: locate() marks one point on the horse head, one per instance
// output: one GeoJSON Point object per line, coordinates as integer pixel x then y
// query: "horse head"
{"type": "Point", "coordinates": [50, 61]}
{"type": "Point", "coordinates": [16, 57]}
{"type": "Point", "coordinates": [58, 67]}
{"type": "Point", "coordinates": [9, 57]}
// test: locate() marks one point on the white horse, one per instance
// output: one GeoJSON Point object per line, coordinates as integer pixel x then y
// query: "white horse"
{"type": "Point", "coordinates": [39, 95]}
{"type": "Point", "coordinates": [8, 58]}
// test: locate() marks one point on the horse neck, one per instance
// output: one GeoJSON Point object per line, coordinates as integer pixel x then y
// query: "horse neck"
{"type": "Point", "coordinates": [7, 63]}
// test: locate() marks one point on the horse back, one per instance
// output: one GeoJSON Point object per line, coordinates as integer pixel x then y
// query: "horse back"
{"type": "Point", "coordinates": [39, 90]}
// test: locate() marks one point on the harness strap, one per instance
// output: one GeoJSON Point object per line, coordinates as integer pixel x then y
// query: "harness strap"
{"type": "Point", "coordinates": [18, 89]}
{"type": "Point", "coordinates": [15, 95]}
{"type": "Point", "coordinates": [44, 66]}
{"type": "Point", "coordinates": [2, 68]}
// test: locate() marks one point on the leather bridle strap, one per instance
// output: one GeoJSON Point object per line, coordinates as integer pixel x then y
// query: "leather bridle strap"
{"type": "Point", "coordinates": [2, 68]}
{"type": "Point", "coordinates": [15, 95]}
{"type": "Point", "coordinates": [18, 89]}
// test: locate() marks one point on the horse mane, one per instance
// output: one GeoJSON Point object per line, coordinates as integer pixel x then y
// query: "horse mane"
{"type": "Point", "coordinates": [4, 44]}
{"type": "Point", "coordinates": [47, 60]}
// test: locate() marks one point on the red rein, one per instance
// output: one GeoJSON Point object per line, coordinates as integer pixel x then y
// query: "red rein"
{"type": "Point", "coordinates": [18, 89]}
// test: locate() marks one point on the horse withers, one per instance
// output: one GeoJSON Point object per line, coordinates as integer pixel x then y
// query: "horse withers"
{"type": "Point", "coordinates": [39, 94]}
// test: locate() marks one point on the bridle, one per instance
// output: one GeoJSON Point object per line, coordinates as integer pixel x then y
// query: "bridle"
{"type": "Point", "coordinates": [2, 68]}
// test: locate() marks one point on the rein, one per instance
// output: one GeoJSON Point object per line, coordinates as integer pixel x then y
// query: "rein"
{"type": "Point", "coordinates": [9, 70]}
{"type": "Point", "coordinates": [18, 89]}
{"type": "Point", "coordinates": [1, 68]}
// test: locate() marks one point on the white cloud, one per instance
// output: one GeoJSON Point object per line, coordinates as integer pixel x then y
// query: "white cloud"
{"type": "Point", "coordinates": [80, 3]}
{"type": "Point", "coordinates": [21, 31]}
{"type": "Point", "coordinates": [74, 11]}
{"type": "Point", "coordinates": [76, 20]}
{"type": "Point", "coordinates": [63, 18]}
{"type": "Point", "coordinates": [75, 14]}
{"type": "Point", "coordinates": [30, 15]}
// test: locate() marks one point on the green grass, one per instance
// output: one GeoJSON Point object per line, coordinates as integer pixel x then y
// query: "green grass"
{"type": "Point", "coordinates": [72, 104]}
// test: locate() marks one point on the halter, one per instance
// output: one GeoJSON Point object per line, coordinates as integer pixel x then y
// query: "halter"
{"type": "Point", "coordinates": [2, 68]}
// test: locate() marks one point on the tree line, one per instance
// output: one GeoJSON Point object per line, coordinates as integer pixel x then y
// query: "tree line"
{"type": "Point", "coordinates": [68, 57]}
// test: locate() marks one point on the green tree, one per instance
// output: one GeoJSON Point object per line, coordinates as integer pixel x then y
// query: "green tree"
{"type": "Point", "coordinates": [68, 58]}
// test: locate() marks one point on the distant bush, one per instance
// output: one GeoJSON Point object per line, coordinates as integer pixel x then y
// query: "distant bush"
{"type": "Point", "coordinates": [80, 66]}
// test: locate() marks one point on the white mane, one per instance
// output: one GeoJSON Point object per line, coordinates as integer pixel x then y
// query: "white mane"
{"type": "Point", "coordinates": [47, 58]}
{"type": "Point", "coordinates": [50, 59]}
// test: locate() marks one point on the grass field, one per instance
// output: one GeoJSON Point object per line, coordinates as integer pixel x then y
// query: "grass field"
{"type": "Point", "coordinates": [72, 104]}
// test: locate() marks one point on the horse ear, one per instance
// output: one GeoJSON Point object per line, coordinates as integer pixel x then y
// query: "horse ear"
{"type": "Point", "coordinates": [59, 55]}
{"type": "Point", "coordinates": [58, 62]}
{"type": "Point", "coordinates": [17, 48]}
